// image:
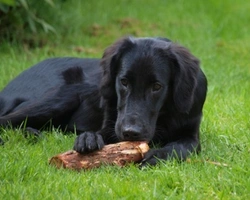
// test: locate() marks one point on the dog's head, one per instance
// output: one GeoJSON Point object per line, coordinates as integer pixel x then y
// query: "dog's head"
{"type": "Point", "coordinates": [142, 75]}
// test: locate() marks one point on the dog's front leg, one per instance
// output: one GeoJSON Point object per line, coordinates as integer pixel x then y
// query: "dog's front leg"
{"type": "Point", "coordinates": [89, 141]}
{"type": "Point", "coordinates": [179, 150]}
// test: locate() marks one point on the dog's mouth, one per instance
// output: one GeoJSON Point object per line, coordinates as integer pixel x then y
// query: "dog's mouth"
{"type": "Point", "coordinates": [134, 129]}
{"type": "Point", "coordinates": [131, 135]}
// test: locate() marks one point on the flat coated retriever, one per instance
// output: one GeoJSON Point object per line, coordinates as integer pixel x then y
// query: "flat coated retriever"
{"type": "Point", "coordinates": [148, 89]}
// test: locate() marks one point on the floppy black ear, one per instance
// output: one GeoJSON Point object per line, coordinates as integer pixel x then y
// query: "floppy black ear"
{"type": "Point", "coordinates": [185, 71]}
{"type": "Point", "coordinates": [110, 64]}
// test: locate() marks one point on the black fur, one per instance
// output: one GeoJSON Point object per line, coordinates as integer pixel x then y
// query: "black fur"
{"type": "Point", "coordinates": [146, 89]}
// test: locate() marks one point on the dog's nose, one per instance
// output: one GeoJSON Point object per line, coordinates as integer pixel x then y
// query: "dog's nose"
{"type": "Point", "coordinates": [131, 134]}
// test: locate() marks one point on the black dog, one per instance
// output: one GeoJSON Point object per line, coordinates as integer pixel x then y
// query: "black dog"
{"type": "Point", "coordinates": [146, 89]}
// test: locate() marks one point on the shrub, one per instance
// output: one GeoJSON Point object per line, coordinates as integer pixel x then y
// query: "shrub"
{"type": "Point", "coordinates": [19, 17]}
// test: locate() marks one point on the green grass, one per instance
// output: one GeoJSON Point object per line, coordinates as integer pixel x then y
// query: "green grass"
{"type": "Point", "coordinates": [217, 32]}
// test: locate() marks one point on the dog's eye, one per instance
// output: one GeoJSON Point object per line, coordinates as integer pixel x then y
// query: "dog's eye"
{"type": "Point", "coordinates": [156, 87]}
{"type": "Point", "coordinates": [124, 82]}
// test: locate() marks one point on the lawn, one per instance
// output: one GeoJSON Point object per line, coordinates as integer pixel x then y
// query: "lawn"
{"type": "Point", "coordinates": [217, 32]}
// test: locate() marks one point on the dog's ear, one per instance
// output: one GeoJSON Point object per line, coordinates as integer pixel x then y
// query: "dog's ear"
{"type": "Point", "coordinates": [110, 63]}
{"type": "Point", "coordinates": [185, 69]}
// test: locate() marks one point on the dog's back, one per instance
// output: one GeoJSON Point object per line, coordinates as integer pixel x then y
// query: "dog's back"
{"type": "Point", "coordinates": [44, 79]}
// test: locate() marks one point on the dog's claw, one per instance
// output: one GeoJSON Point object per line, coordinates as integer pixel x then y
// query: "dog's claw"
{"type": "Point", "coordinates": [87, 142]}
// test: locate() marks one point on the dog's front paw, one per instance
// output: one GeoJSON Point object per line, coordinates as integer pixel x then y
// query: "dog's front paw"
{"type": "Point", "coordinates": [87, 142]}
{"type": "Point", "coordinates": [152, 157]}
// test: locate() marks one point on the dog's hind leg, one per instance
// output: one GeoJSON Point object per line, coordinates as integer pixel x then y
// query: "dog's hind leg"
{"type": "Point", "coordinates": [57, 106]}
